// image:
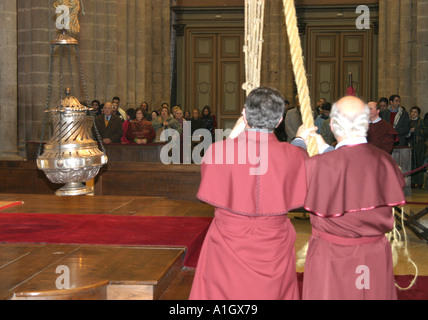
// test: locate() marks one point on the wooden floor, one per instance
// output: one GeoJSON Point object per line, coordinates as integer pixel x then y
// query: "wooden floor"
{"type": "Point", "coordinates": [99, 272]}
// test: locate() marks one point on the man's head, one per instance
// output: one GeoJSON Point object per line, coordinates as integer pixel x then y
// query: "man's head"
{"type": "Point", "coordinates": [144, 106]}
{"type": "Point", "coordinates": [95, 104]}
{"type": "Point", "coordinates": [383, 103]}
{"type": "Point", "coordinates": [349, 118]}
{"type": "Point", "coordinates": [108, 109]}
{"type": "Point", "coordinates": [264, 108]}
{"type": "Point", "coordinates": [321, 101]}
{"type": "Point", "coordinates": [374, 110]}
{"type": "Point", "coordinates": [116, 100]}
{"type": "Point", "coordinates": [395, 101]}
{"type": "Point", "coordinates": [415, 112]}
{"type": "Point", "coordinates": [326, 110]}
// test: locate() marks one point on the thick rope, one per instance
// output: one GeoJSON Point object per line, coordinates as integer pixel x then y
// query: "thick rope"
{"type": "Point", "coordinates": [253, 47]}
{"type": "Point", "coordinates": [74, 7]}
{"type": "Point", "coordinates": [299, 70]}
{"type": "Point", "coordinates": [397, 243]}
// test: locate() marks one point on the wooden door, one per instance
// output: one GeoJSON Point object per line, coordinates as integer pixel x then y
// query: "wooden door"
{"type": "Point", "coordinates": [216, 73]}
{"type": "Point", "coordinates": [333, 55]}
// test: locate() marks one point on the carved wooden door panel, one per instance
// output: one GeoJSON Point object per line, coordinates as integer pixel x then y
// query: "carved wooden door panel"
{"type": "Point", "coordinates": [216, 74]}
{"type": "Point", "coordinates": [333, 55]}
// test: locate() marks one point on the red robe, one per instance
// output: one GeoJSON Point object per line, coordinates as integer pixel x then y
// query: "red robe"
{"type": "Point", "coordinates": [382, 135]}
{"type": "Point", "coordinates": [350, 193]}
{"type": "Point", "coordinates": [248, 252]}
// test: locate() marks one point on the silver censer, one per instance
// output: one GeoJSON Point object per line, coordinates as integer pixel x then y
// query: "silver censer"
{"type": "Point", "coordinates": [71, 156]}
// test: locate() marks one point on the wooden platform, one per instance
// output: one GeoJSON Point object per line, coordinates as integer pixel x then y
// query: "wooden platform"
{"type": "Point", "coordinates": [67, 272]}
{"type": "Point", "coordinates": [29, 271]}
{"type": "Point", "coordinates": [121, 272]}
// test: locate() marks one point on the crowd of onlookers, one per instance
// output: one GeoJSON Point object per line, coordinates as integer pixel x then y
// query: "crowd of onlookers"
{"type": "Point", "coordinates": [141, 125]}
{"type": "Point", "coordinates": [391, 126]}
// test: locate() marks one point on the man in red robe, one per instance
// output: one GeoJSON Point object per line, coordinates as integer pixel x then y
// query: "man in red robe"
{"type": "Point", "coordinates": [381, 133]}
{"type": "Point", "coordinates": [350, 194]}
{"type": "Point", "coordinates": [252, 181]}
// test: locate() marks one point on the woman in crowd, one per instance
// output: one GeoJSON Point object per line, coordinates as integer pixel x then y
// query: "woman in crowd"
{"type": "Point", "coordinates": [140, 130]}
{"type": "Point", "coordinates": [130, 115]}
{"type": "Point", "coordinates": [209, 121]}
{"type": "Point", "coordinates": [164, 121]}
{"type": "Point", "coordinates": [187, 115]}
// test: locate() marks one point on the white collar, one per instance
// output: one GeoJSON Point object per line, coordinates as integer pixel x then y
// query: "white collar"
{"type": "Point", "coordinates": [351, 141]}
{"type": "Point", "coordinates": [376, 121]}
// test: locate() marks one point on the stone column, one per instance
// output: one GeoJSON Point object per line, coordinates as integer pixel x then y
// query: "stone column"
{"type": "Point", "coordinates": [406, 48]}
{"type": "Point", "coordinates": [403, 54]}
{"type": "Point", "coordinates": [36, 29]}
{"type": "Point", "coordinates": [422, 55]}
{"type": "Point", "coordinates": [8, 81]}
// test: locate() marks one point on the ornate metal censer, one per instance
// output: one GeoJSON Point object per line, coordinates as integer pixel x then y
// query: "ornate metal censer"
{"type": "Point", "coordinates": [71, 156]}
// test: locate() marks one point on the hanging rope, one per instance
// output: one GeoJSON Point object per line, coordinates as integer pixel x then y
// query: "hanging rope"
{"type": "Point", "coordinates": [299, 70]}
{"type": "Point", "coordinates": [74, 7]}
{"type": "Point", "coordinates": [253, 47]}
{"type": "Point", "coordinates": [397, 244]}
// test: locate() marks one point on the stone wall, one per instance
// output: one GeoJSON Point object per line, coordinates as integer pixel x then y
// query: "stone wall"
{"type": "Point", "coordinates": [403, 51]}
{"type": "Point", "coordinates": [124, 50]}
{"type": "Point", "coordinates": [8, 81]}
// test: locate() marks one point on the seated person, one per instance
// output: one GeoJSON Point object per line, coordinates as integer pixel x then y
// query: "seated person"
{"type": "Point", "coordinates": [140, 130]}
{"type": "Point", "coordinates": [164, 121]}
{"type": "Point", "coordinates": [130, 115]}
{"type": "Point", "coordinates": [109, 126]}
{"type": "Point", "coordinates": [196, 121]}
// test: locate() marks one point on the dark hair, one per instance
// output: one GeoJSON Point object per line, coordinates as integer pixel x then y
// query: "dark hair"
{"type": "Point", "coordinates": [209, 111]}
{"type": "Point", "coordinates": [115, 98]}
{"type": "Point", "coordinates": [264, 107]}
{"type": "Point", "coordinates": [417, 108]}
{"type": "Point", "coordinates": [392, 98]}
{"type": "Point", "coordinates": [383, 99]}
{"type": "Point", "coordinates": [139, 109]}
{"type": "Point", "coordinates": [131, 113]}
{"type": "Point", "coordinates": [96, 101]}
{"type": "Point", "coordinates": [326, 106]}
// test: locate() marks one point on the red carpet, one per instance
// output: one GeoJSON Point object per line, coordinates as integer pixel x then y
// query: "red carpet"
{"type": "Point", "coordinates": [107, 230]}
{"type": "Point", "coordinates": [418, 292]}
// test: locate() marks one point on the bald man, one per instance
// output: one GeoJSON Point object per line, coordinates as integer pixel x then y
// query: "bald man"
{"type": "Point", "coordinates": [351, 190]}
{"type": "Point", "coordinates": [108, 125]}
